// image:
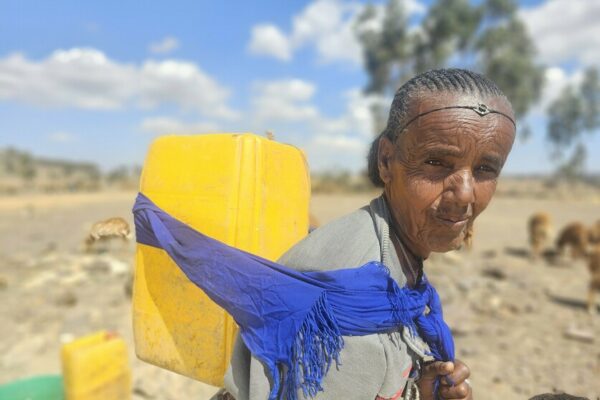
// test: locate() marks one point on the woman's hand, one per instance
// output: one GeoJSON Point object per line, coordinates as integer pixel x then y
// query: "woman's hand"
{"type": "Point", "coordinates": [453, 383]}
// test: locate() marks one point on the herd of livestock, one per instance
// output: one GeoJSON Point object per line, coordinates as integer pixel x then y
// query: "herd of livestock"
{"type": "Point", "coordinates": [576, 240]}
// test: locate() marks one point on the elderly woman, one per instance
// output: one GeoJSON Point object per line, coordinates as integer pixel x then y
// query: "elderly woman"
{"type": "Point", "coordinates": [448, 135]}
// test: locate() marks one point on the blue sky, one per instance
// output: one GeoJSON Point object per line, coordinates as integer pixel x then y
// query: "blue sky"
{"type": "Point", "coordinates": [97, 81]}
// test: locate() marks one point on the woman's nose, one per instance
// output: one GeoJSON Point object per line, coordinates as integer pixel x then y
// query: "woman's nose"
{"type": "Point", "coordinates": [460, 186]}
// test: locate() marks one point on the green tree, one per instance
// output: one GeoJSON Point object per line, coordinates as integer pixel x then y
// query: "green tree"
{"type": "Point", "coordinates": [447, 30]}
{"type": "Point", "coordinates": [573, 168]}
{"type": "Point", "coordinates": [573, 114]}
{"type": "Point", "coordinates": [487, 37]}
{"type": "Point", "coordinates": [118, 174]}
{"type": "Point", "coordinates": [507, 55]}
{"type": "Point", "coordinates": [387, 50]}
{"type": "Point", "coordinates": [386, 46]}
{"type": "Point", "coordinates": [590, 95]}
{"type": "Point", "coordinates": [27, 168]}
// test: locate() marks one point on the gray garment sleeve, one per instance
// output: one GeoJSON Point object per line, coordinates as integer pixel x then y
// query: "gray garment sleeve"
{"type": "Point", "coordinates": [370, 365]}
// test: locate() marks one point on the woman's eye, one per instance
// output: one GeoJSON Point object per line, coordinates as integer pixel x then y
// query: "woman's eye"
{"type": "Point", "coordinates": [487, 169]}
{"type": "Point", "coordinates": [436, 163]}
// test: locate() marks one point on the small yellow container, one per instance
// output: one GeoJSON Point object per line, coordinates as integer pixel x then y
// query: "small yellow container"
{"type": "Point", "coordinates": [95, 367]}
{"type": "Point", "coordinates": [244, 190]}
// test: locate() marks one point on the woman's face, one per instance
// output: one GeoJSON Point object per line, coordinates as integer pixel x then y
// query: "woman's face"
{"type": "Point", "coordinates": [442, 171]}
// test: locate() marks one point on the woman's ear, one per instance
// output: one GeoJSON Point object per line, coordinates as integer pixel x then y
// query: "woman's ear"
{"type": "Point", "coordinates": [385, 156]}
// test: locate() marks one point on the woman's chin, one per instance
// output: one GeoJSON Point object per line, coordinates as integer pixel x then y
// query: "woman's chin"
{"type": "Point", "coordinates": [449, 244]}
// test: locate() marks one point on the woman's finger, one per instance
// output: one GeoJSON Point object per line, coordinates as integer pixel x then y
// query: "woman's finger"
{"type": "Point", "coordinates": [458, 375]}
{"type": "Point", "coordinates": [435, 368]}
{"type": "Point", "coordinates": [461, 391]}
{"type": "Point", "coordinates": [431, 371]}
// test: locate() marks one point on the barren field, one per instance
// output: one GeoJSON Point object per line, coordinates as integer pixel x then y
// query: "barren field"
{"type": "Point", "coordinates": [521, 325]}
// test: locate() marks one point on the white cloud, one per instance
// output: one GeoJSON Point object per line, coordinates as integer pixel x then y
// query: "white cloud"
{"type": "Point", "coordinates": [556, 79]}
{"type": "Point", "coordinates": [166, 45]}
{"type": "Point", "coordinates": [287, 108]}
{"type": "Point", "coordinates": [341, 151]}
{"type": "Point", "coordinates": [414, 7]}
{"type": "Point", "coordinates": [358, 114]}
{"type": "Point", "coordinates": [325, 24]}
{"type": "Point", "coordinates": [168, 125]}
{"type": "Point", "coordinates": [343, 142]}
{"type": "Point", "coordinates": [268, 40]}
{"type": "Point", "coordinates": [61, 137]}
{"type": "Point", "coordinates": [283, 100]}
{"type": "Point", "coordinates": [289, 101]}
{"type": "Point", "coordinates": [565, 30]}
{"type": "Point", "coordinates": [356, 119]}
{"type": "Point", "coordinates": [184, 84]}
{"type": "Point", "coordinates": [86, 78]}
{"type": "Point", "coordinates": [278, 105]}
{"type": "Point", "coordinates": [340, 142]}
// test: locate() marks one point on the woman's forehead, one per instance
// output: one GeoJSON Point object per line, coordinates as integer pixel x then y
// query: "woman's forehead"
{"type": "Point", "coordinates": [461, 128]}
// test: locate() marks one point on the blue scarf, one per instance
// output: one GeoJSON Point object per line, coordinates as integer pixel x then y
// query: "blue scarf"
{"type": "Point", "coordinates": [290, 318]}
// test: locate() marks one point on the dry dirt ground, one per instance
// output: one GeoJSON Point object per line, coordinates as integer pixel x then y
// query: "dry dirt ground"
{"type": "Point", "coordinates": [521, 325]}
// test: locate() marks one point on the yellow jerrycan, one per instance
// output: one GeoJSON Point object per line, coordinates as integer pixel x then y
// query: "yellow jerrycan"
{"type": "Point", "coordinates": [247, 191]}
{"type": "Point", "coordinates": [96, 367]}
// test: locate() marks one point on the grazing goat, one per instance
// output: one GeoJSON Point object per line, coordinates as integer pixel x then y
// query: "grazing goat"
{"type": "Point", "coordinates": [540, 227]}
{"type": "Point", "coordinates": [594, 233]}
{"type": "Point", "coordinates": [110, 228]}
{"type": "Point", "coordinates": [594, 268]}
{"type": "Point", "coordinates": [557, 396]}
{"type": "Point", "coordinates": [574, 236]}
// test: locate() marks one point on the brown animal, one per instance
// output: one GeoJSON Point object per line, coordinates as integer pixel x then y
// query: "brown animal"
{"type": "Point", "coordinates": [594, 268]}
{"type": "Point", "coordinates": [110, 228]}
{"type": "Point", "coordinates": [557, 396]}
{"type": "Point", "coordinates": [594, 233]}
{"type": "Point", "coordinates": [540, 227]}
{"type": "Point", "coordinates": [574, 236]}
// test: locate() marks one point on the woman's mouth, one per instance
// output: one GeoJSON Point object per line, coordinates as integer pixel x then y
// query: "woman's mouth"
{"type": "Point", "coordinates": [455, 223]}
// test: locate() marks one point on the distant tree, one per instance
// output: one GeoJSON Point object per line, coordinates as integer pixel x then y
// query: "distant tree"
{"type": "Point", "coordinates": [9, 160]}
{"type": "Point", "coordinates": [590, 95]}
{"type": "Point", "coordinates": [27, 168]}
{"type": "Point", "coordinates": [573, 114]}
{"type": "Point", "coordinates": [448, 30]}
{"type": "Point", "coordinates": [573, 168]}
{"type": "Point", "coordinates": [93, 172]}
{"type": "Point", "coordinates": [487, 37]}
{"type": "Point", "coordinates": [118, 174]}
{"type": "Point", "coordinates": [387, 52]}
{"type": "Point", "coordinates": [386, 45]}
{"type": "Point", "coordinates": [507, 55]}
{"type": "Point", "coordinates": [124, 176]}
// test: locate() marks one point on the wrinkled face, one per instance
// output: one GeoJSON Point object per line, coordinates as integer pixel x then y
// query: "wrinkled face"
{"type": "Point", "coordinates": [441, 172]}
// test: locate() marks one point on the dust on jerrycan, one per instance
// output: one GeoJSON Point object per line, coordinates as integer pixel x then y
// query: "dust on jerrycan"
{"type": "Point", "coordinates": [247, 191]}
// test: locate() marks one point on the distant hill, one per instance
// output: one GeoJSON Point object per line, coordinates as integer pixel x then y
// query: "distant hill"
{"type": "Point", "coordinates": [20, 171]}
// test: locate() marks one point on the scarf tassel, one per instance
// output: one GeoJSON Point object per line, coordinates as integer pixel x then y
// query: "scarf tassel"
{"type": "Point", "coordinates": [317, 344]}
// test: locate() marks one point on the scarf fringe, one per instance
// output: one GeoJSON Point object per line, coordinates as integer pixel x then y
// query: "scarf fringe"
{"type": "Point", "coordinates": [317, 344]}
